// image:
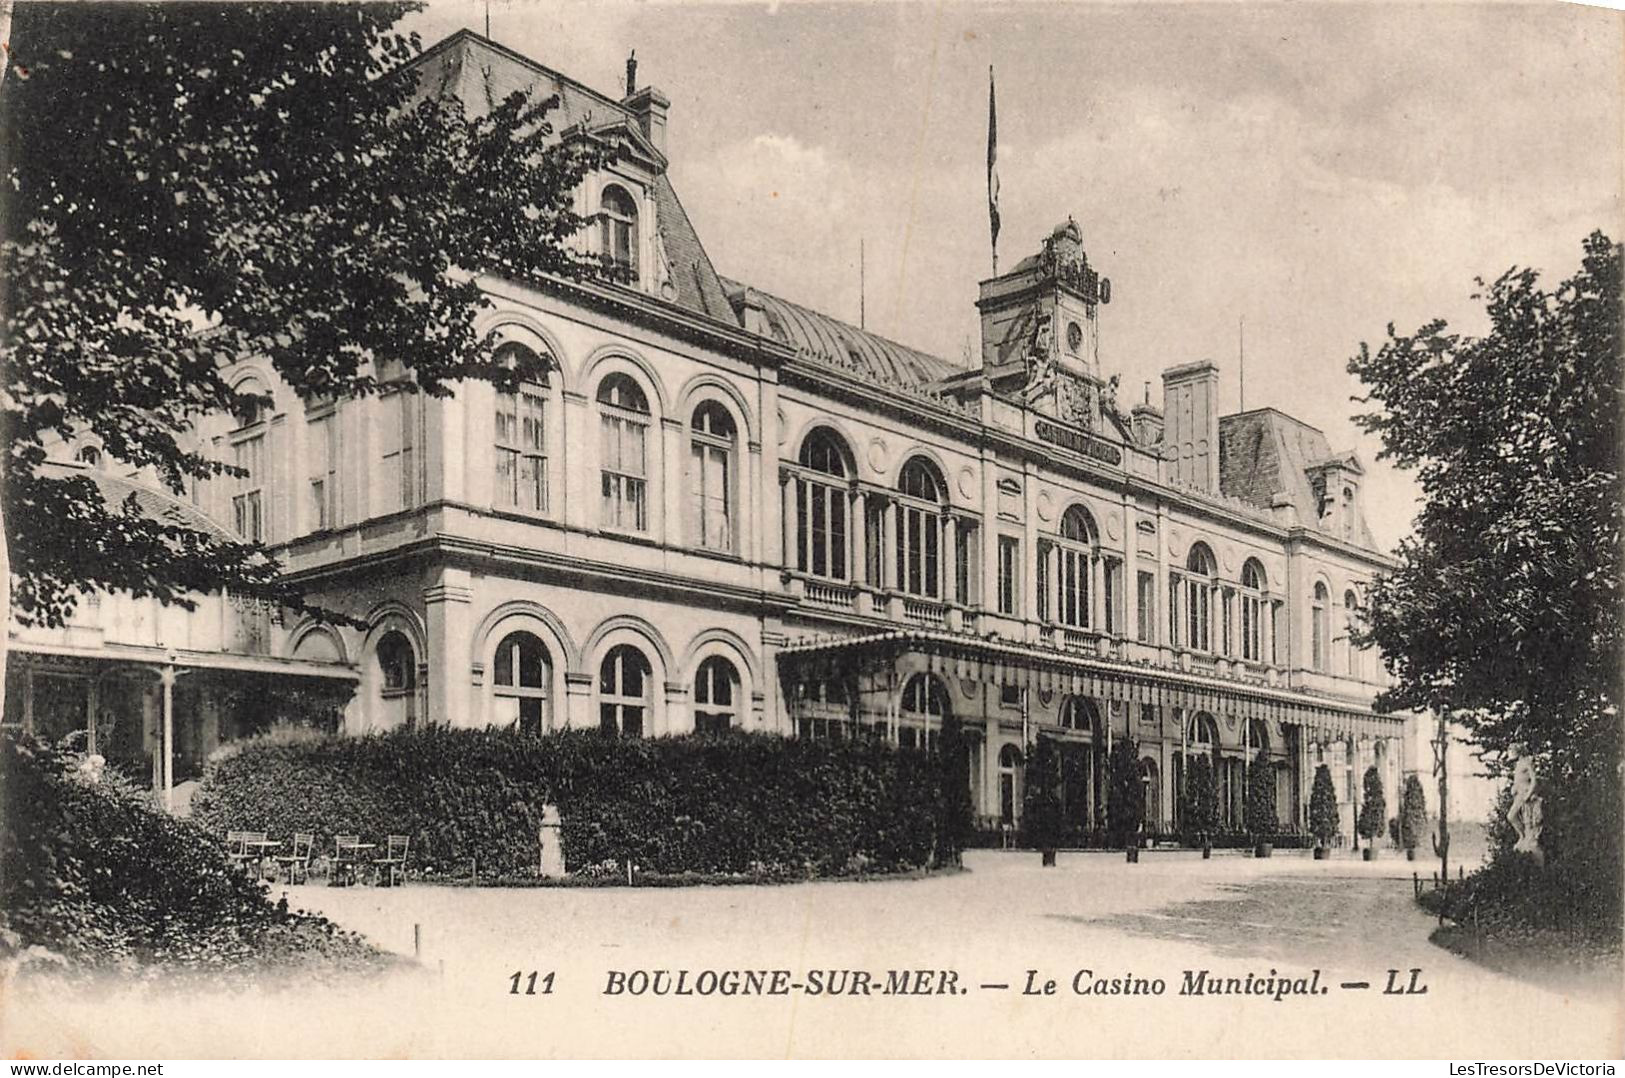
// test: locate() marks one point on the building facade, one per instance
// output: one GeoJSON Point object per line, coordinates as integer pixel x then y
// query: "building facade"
{"type": "Point", "coordinates": [719, 509]}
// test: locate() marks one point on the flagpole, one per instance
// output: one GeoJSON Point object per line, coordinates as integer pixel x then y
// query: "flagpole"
{"type": "Point", "coordinates": [992, 171]}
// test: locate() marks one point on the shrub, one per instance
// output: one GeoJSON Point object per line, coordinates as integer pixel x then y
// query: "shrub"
{"type": "Point", "coordinates": [93, 877]}
{"type": "Point", "coordinates": [958, 817]}
{"type": "Point", "coordinates": [1041, 822]}
{"type": "Point", "coordinates": [1373, 806]}
{"type": "Point", "coordinates": [738, 803]}
{"type": "Point", "coordinates": [1125, 807]}
{"type": "Point", "coordinates": [1261, 821]}
{"type": "Point", "coordinates": [1413, 813]}
{"type": "Point", "coordinates": [1323, 821]}
{"type": "Point", "coordinates": [1200, 812]}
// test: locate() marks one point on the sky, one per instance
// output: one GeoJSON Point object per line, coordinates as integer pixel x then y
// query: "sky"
{"type": "Point", "coordinates": [1316, 171]}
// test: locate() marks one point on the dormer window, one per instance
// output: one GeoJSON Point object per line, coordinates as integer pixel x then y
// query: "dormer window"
{"type": "Point", "coordinates": [618, 230]}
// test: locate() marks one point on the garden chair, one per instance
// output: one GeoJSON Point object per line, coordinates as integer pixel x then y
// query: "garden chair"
{"type": "Point", "coordinates": [346, 859]}
{"type": "Point", "coordinates": [391, 867]}
{"type": "Point", "coordinates": [296, 863]}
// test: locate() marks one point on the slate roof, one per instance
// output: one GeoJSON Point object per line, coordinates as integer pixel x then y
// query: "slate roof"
{"type": "Point", "coordinates": [829, 340]}
{"type": "Point", "coordinates": [481, 73]}
{"type": "Point", "coordinates": [153, 504]}
{"type": "Point", "coordinates": [1264, 459]}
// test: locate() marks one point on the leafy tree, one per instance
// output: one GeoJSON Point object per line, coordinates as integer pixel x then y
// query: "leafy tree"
{"type": "Point", "coordinates": [1041, 823]}
{"type": "Point", "coordinates": [1261, 819]}
{"type": "Point", "coordinates": [1413, 813]}
{"type": "Point", "coordinates": [1125, 805]}
{"type": "Point", "coordinates": [1373, 806]}
{"type": "Point", "coordinates": [953, 778]}
{"type": "Point", "coordinates": [190, 185]}
{"type": "Point", "coordinates": [1200, 814]}
{"type": "Point", "coordinates": [1505, 609]}
{"type": "Point", "coordinates": [1323, 820]}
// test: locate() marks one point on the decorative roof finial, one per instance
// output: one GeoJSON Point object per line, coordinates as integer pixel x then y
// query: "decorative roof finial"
{"type": "Point", "coordinates": [632, 73]}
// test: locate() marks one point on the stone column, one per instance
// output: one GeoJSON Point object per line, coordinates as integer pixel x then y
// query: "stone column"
{"type": "Point", "coordinates": [788, 501]}
{"type": "Point", "coordinates": [1097, 592]}
{"type": "Point", "coordinates": [948, 556]}
{"type": "Point", "coordinates": [580, 507]}
{"type": "Point", "coordinates": [449, 648]}
{"type": "Point", "coordinates": [858, 530]}
{"type": "Point", "coordinates": [888, 556]}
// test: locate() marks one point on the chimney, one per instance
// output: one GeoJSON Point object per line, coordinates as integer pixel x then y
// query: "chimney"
{"type": "Point", "coordinates": [1147, 421]}
{"type": "Point", "coordinates": [1190, 404]}
{"type": "Point", "coordinates": [649, 106]}
{"type": "Point", "coordinates": [632, 73]}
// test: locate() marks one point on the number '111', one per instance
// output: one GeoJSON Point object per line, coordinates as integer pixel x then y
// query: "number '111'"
{"type": "Point", "coordinates": [530, 981]}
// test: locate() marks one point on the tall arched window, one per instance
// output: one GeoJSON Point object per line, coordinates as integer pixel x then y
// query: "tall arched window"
{"type": "Point", "coordinates": [1252, 611]}
{"type": "Point", "coordinates": [1080, 714]}
{"type": "Point", "coordinates": [1319, 626]}
{"type": "Point", "coordinates": [398, 676]}
{"type": "Point", "coordinates": [1196, 587]}
{"type": "Point", "coordinates": [90, 456]}
{"type": "Point", "coordinates": [711, 486]}
{"type": "Point", "coordinates": [618, 229]}
{"type": "Point", "coordinates": [1204, 731]}
{"type": "Point", "coordinates": [1009, 784]}
{"type": "Point", "coordinates": [1351, 614]}
{"type": "Point", "coordinates": [820, 492]}
{"type": "Point", "coordinates": [520, 678]}
{"type": "Point", "coordinates": [919, 530]}
{"type": "Point", "coordinates": [1258, 737]}
{"type": "Point", "coordinates": [1075, 551]}
{"type": "Point", "coordinates": [925, 705]}
{"type": "Point", "coordinates": [623, 692]}
{"type": "Point", "coordinates": [716, 696]}
{"type": "Point", "coordinates": [624, 424]}
{"type": "Point", "coordinates": [248, 497]}
{"type": "Point", "coordinates": [521, 433]}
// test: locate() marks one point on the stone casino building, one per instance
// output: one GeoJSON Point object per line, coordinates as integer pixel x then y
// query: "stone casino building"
{"type": "Point", "coordinates": [722, 510]}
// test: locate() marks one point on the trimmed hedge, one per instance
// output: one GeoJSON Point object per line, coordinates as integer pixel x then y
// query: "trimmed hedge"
{"type": "Point", "coordinates": [753, 804]}
{"type": "Point", "coordinates": [94, 878]}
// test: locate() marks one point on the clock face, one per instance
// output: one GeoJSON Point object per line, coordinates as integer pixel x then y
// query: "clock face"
{"type": "Point", "coordinates": [1074, 337]}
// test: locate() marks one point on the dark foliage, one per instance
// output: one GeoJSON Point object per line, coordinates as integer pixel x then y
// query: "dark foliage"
{"type": "Point", "coordinates": [1125, 798]}
{"type": "Point", "coordinates": [958, 819]}
{"type": "Point", "coordinates": [1323, 821]}
{"type": "Point", "coordinates": [1042, 822]}
{"type": "Point", "coordinates": [742, 803]}
{"type": "Point", "coordinates": [188, 185]}
{"type": "Point", "coordinates": [1260, 805]}
{"type": "Point", "coordinates": [1413, 813]}
{"type": "Point", "coordinates": [94, 879]}
{"type": "Point", "coordinates": [1200, 815]}
{"type": "Point", "coordinates": [1373, 806]}
{"type": "Point", "coordinates": [1505, 610]}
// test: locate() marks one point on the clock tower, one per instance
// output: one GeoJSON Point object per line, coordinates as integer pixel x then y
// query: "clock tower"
{"type": "Point", "coordinates": [1041, 330]}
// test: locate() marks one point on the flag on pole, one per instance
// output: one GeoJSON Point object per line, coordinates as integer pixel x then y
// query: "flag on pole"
{"type": "Point", "coordinates": [992, 168]}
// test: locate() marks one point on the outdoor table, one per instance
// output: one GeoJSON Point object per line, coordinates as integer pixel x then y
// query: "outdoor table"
{"type": "Point", "coordinates": [355, 849]}
{"type": "Point", "coordinates": [264, 847]}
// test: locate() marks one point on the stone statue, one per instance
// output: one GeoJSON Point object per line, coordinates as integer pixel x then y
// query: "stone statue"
{"type": "Point", "coordinates": [1524, 814]}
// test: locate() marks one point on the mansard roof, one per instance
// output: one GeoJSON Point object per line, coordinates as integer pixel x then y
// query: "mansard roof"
{"type": "Point", "coordinates": [828, 340]}
{"type": "Point", "coordinates": [1266, 458]}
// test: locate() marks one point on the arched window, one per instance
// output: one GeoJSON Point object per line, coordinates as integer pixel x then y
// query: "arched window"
{"type": "Point", "coordinates": [521, 675]}
{"type": "Point", "coordinates": [1253, 584]}
{"type": "Point", "coordinates": [90, 456]}
{"type": "Point", "coordinates": [1009, 785]}
{"type": "Point", "coordinates": [398, 675]}
{"type": "Point", "coordinates": [1204, 731]}
{"type": "Point", "coordinates": [716, 696]}
{"type": "Point", "coordinates": [248, 453]}
{"type": "Point", "coordinates": [624, 423]}
{"type": "Point", "coordinates": [820, 491]}
{"type": "Point", "coordinates": [919, 530]}
{"type": "Point", "coordinates": [623, 692]}
{"type": "Point", "coordinates": [1319, 626]}
{"type": "Point", "coordinates": [618, 230]}
{"type": "Point", "coordinates": [1074, 554]}
{"type": "Point", "coordinates": [925, 705]}
{"type": "Point", "coordinates": [1080, 714]}
{"type": "Point", "coordinates": [521, 433]}
{"type": "Point", "coordinates": [1351, 614]}
{"type": "Point", "coordinates": [1258, 737]}
{"type": "Point", "coordinates": [1193, 590]}
{"type": "Point", "coordinates": [711, 457]}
